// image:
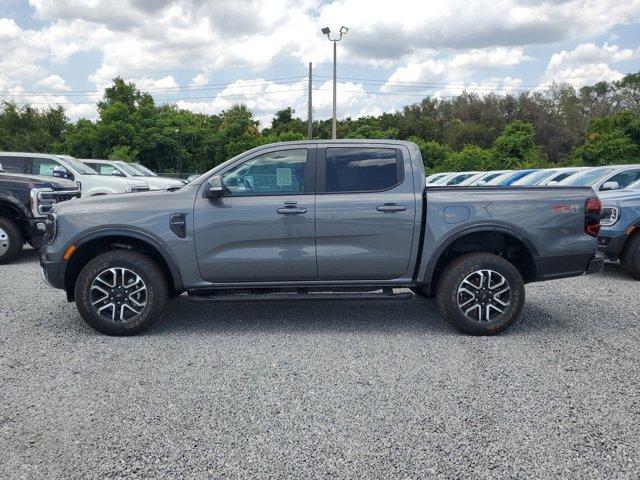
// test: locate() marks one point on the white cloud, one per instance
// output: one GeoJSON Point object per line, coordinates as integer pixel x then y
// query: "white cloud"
{"type": "Point", "coordinates": [146, 83]}
{"type": "Point", "coordinates": [53, 82]}
{"type": "Point", "coordinates": [586, 64]}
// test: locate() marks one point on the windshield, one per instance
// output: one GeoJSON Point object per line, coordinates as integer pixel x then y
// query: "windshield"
{"type": "Point", "coordinates": [78, 166]}
{"type": "Point", "coordinates": [587, 178]}
{"type": "Point", "coordinates": [536, 178]}
{"type": "Point", "coordinates": [500, 178]}
{"type": "Point", "coordinates": [145, 171]}
{"type": "Point", "coordinates": [436, 177]}
{"type": "Point", "coordinates": [134, 172]}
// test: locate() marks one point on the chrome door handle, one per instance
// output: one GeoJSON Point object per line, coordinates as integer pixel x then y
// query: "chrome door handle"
{"type": "Point", "coordinates": [391, 207]}
{"type": "Point", "coordinates": [291, 210]}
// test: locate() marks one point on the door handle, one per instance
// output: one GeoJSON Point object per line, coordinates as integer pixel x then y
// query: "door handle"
{"type": "Point", "coordinates": [291, 210]}
{"type": "Point", "coordinates": [391, 207]}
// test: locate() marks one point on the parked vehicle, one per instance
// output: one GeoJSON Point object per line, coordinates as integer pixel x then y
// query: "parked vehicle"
{"type": "Point", "coordinates": [601, 179]}
{"type": "Point", "coordinates": [125, 170]}
{"type": "Point", "coordinates": [481, 178]}
{"type": "Point", "coordinates": [64, 166]}
{"type": "Point", "coordinates": [509, 178]}
{"type": "Point", "coordinates": [431, 179]}
{"type": "Point", "coordinates": [191, 178]}
{"type": "Point", "coordinates": [455, 178]}
{"type": "Point", "coordinates": [319, 219]}
{"type": "Point", "coordinates": [619, 238]}
{"type": "Point", "coordinates": [547, 176]}
{"type": "Point", "coordinates": [25, 201]}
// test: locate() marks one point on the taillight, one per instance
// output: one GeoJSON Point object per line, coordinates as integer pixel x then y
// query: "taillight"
{"type": "Point", "coordinates": [592, 210]}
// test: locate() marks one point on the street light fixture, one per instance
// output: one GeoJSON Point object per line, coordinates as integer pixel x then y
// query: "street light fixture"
{"type": "Point", "coordinates": [327, 31]}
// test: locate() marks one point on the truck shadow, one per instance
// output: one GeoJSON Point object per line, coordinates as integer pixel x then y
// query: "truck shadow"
{"type": "Point", "coordinates": [416, 316]}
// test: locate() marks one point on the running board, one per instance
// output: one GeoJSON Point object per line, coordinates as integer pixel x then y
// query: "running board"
{"type": "Point", "coordinates": [386, 294]}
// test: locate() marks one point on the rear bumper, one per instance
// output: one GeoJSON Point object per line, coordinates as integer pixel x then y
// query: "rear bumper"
{"type": "Point", "coordinates": [562, 266]}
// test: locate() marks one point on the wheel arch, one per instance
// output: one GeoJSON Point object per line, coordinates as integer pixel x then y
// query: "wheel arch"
{"type": "Point", "coordinates": [97, 242]}
{"type": "Point", "coordinates": [504, 240]}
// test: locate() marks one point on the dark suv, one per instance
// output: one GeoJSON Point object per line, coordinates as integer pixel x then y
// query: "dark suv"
{"type": "Point", "coordinates": [25, 201]}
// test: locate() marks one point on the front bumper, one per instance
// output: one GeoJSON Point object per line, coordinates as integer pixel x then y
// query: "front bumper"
{"type": "Point", "coordinates": [51, 271]}
{"type": "Point", "coordinates": [611, 246]}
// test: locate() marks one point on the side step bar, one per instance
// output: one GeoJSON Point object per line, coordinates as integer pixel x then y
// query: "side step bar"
{"type": "Point", "coordinates": [384, 294]}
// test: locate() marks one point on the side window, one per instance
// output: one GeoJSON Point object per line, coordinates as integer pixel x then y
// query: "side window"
{"type": "Point", "coordinates": [95, 166]}
{"type": "Point", "coordinates": [270, 173]}
{"type": "Point", "coordinates": [104, 169]}
{"type": "Point", "coordinates": [12, 164]}
{"type": "Point", "coordinates": [43, 166]}
{"type": "Point", "coordinates": [624, 179]}
{"type": "Point", "coordinates": [353, 169]}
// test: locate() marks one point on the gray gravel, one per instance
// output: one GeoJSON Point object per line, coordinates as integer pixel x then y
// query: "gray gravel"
{"type": "Point", "coordinates": [353, 389]}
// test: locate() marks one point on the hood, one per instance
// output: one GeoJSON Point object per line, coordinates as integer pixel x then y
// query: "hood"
{"type": "Point", "coordinates": [122, 202]}
{"type": "Point", "coordinates": [38, 181]}
{"type": "Point", "coordinates": [113, 180]}
{"type": "Point", "coordinates": [616, 196]}
{"type": "Point", "coordinates": [163, 182]}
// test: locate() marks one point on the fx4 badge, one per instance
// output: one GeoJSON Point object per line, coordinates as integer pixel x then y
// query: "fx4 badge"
{"type": "Point", "coordinates": [567, 208]}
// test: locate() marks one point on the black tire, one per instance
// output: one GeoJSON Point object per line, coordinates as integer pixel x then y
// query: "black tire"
{"type": "Point", "coordinates": [11, 240]}
{"type": "Point", "coordinates": [468, 267]}
{"type": "Point", "coordinates": [423, 292]}
{"type": "Point", "coordinates": [631, 257]}
{"type": "Point", "coordinates": [136, 263]}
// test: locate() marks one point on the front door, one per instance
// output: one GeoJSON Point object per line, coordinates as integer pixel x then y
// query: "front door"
{"type": "Point", "coordinates": [365, 213]}
{"type": "Point", "coordinates": [262, 229]}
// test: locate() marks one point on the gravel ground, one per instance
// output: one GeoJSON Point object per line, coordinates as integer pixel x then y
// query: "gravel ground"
{"type": "Point", "coordinates": [351, 389]}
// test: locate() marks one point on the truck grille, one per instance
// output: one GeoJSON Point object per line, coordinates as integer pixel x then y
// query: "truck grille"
{"type": "Point", "coordinates": [48, 199]}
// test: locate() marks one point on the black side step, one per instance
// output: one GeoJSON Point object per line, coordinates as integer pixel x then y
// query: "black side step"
{"type": "Point", "coordinates": [386, 294]}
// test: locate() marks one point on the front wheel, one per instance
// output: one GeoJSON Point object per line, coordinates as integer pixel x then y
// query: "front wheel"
{"type": "Point", "coordinates": [631, 257]}
{"type": "Point", "coordinates": [121, 292]}
{"type": "Point", "coordinates": [11, 240]}
{"type": "Point", "coordinates": [480, 294]}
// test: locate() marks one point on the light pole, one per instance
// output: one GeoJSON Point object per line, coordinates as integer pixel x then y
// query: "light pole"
{"type": "Point", "coordinates": [327, 31]}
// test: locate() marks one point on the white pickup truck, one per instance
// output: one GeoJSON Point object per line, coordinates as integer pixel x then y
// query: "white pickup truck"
{"type": "Point", "coordinates": [124, 170]}
{"type": "Point", "coordinates": [64, 166]}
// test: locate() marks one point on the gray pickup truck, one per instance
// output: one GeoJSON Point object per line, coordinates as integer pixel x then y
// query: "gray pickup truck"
{"type": "Point", "coordinates": [319, 220]}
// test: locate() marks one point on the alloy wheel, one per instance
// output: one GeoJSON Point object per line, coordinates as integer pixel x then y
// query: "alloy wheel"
{"type": "Point", "coordinates": [118, 294]}
{"type": "Point", "coordinates": [484, 295]}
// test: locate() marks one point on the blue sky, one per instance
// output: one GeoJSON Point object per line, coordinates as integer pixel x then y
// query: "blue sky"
{"type": "Point", "coordinates": [208, 55]}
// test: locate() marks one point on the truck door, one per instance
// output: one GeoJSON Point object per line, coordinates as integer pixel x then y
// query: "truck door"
{"type": "Point", "coordinates": [262, 229]}
{"type": "Point", "coordinates": [365, 212]}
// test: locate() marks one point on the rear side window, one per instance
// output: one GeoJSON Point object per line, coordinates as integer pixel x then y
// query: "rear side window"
{"type": "Point", "coordinates": [352, 169]}
{"type": "Point", "coordinates": [12, 164]}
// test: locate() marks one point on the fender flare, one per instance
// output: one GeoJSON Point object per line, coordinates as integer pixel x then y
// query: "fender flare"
{"type": "Point", "coordinates": [141, 235]}
{"type": "Point", "coordinates": [492, 227]}
{"type": "Point", "coordinates": [15, 203]}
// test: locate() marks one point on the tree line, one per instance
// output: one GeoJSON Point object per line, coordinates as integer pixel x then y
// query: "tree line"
{"type": "Point", "coordinates": [593, 125]}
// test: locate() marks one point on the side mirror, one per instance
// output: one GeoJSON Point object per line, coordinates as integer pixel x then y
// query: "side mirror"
{"type": "Point", "coordinates": [215, 187]}
{"type": "Point", "coordinates": [117, 173]}
{"type": "Point", "coordinates": [60, 172]}
{"type": "Point", "coordinates": [610, 186]}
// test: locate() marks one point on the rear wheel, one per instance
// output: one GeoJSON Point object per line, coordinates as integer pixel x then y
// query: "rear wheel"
{"type": "Point", "coordinates": [631, 257]}
{"type": "Point", "coordinates": [121, 292]}
{"type": "Point", "coordinates": [480, 294]}
{"type": "Point", "coordinates": [11, 240]}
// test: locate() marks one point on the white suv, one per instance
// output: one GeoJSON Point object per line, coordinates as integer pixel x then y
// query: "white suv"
{"type": "Point", "coordinates": [64, 166]}
{"type": "Point", "coordinates": [124, 170]}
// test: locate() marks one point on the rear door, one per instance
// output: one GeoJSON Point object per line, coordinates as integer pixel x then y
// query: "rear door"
{"type": "Point", "coordinates": [365, 212]}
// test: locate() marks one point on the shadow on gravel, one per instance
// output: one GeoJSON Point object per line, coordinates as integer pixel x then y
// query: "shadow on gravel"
{"type": "Point", "coordinates": [28, 255]}
{"type": "Point", "coordinates": [419, 316]}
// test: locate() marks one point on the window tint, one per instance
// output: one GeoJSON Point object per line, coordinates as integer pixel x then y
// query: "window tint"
{"type": "Point", "coordinates": [624, 179]}
{"type": "Point", "coordinates": [361, 169]}
{"type": "Point", "coordinates": [12, 164]}
{"type": "Point", "coordinates": [41, 166]}
{"type": "Point", "coordinates": [270, 173]}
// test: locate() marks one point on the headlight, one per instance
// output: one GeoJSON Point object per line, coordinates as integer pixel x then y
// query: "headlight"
{"type": "Point", "coordinates": [609, 216]}
{"type": "Point", "coordinates": [51, 228]}
{"type": "Point", "coordinates": [42, 199]}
